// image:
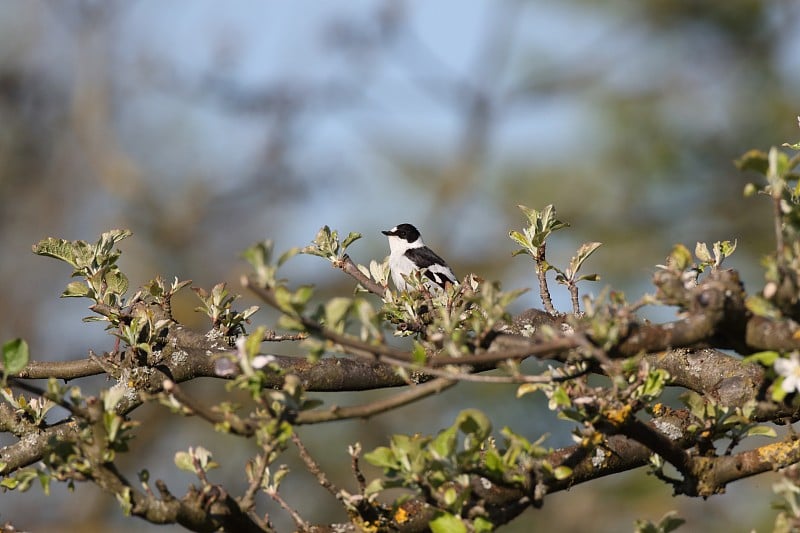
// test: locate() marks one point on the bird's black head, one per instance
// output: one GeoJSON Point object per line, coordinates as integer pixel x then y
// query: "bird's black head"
{"type": "Point", "coordinates": [407, 232]}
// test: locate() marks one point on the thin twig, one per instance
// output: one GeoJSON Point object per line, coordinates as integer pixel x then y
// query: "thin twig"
{"type": "Point", "coordinates": [367, 410]}
{"type": "Point", "coordinates": [540, 349]}
{"type": "Point", "coordinates": [573, 294]}
{"type": "Point", "coordinates": [355, 452]}
{"type": "Point", "coordinates": [314, 469]}
{"type": "Point", "coordinates": [301, 524]}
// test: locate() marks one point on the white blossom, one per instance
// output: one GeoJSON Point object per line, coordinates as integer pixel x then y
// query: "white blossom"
{"type": "Point", "coordinates": [790, 370]}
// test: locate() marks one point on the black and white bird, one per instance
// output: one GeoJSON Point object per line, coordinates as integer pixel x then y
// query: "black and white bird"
{"type": "Point", "coordinates": [408, 253]}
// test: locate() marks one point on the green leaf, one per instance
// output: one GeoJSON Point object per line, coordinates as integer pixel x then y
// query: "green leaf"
{"type": "Point", "coordinates": [288, 254]}
{"type": "Point", "coordinates": [702, 253]}
{"type": "Point", "coordinates": [374, 487]}
{"type": "Point", "coordinates": [753, 160]}
{"type": "Point", "coordinates": [695, 403]}
{"type": "Point", "coordinates": [350, 239]}
{"type": "Point", "coordinates": [761, 431]}
{"type": "Point", "coordinates": [117, 282]}
{"type": "Point", "coordinates": [279, 475]}
{"type": "Point", "coordinates": [418, 353]}
{"type": "Point", "coordinates": [184, 461]}
{"type": "Point", "coordinates": [447, 523]}
{"type": "Point", "coordinates": [527, 388]}
{"type": "Point", "coordinates": [562, 472]}
{"type": "Point", "coordinates": [531, 214]}
{"type": "Point", "coordinates": [760, 306]}
{"type": "Point", "coordinates": [302, 295]}
{"type": "Point", "coordinates": [560, 398]}
{"type": "Point", "coordinates": [15, 356]}
{"type": "Point", "coordinates": [520, 239]}
{"type": "Point", "coordinates": [77, 289]}
{"type": "Point", "coordinates": [109, 238]}
{"type": "Point", "coordinates": [57, 249]}
{"type": "Point", "coordinates": [444, 445]}
{"type": "Point", "coordinates": [766, 358]}
{"type": "Point", "coordinates": [9, 483]}
{"type": "Point", "coordinates": [778, 394]}
{"type": "Point", "coordinates": [290, 323]}
{"type": "Point", "coordinates": [494, 462]}
{"type": "Point", "coordinates": [482, 525]}
{"type": "Point", "coordinates": [259, 254]}
{"type": "Point", "coordinates": [723, 249]}
{"type": "Point", "coordinates": [583, 253]}
{"type": "Point", "coordinates": [252, 343]}
{"type": "Point", "coordinates": [549, 222]}
{"type": "Point", "coordinates": [44, 481]}
{"type": "Point", "coordinates": [336, 310]}
{"type": "Point", "coordinates": [450, 496]}
{"type": "Point", "coordinates": [680, 258]}
{"type": "Point", "coordinates": [112, 424]}
{"type": "Point", "coordinates": [655, 383]}
{"type": "Point", "coordinates": [475, 424]}
{"type": "Point", "coordinates": [382, 457]}
{"type": "Point", "coordinates": [283, 298]}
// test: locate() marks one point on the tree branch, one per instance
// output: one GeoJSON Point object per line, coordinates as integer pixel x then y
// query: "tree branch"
{"type": "Point", "coordinates": [367, 410]}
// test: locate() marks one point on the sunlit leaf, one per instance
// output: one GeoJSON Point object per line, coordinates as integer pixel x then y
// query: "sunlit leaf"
{"type": "Point", "coordinates": [447, 523]}
{"type": "Point", "coordinates": [15, 356]}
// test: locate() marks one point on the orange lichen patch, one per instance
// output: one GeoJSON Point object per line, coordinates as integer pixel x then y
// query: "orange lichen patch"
{"type": "Point", "coordinates": [780, 453]}
{"type": "Point", "coordinates": [595, 439]}
{"type": "Point", "coordinates": [401, 516]}
{"type": "Point", "coordinates": [658, 409]}
{"type": "Point", "coordinates": [618, 416]}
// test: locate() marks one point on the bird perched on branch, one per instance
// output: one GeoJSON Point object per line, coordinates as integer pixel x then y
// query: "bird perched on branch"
{"type": "Point", "coordinates": [408, 253]}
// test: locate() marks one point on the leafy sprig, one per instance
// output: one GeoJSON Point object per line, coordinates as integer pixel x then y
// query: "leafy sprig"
{"type": "Point", "coordinates": [103, 282]}
{"type": "Point", "coordinates": [533, 241]}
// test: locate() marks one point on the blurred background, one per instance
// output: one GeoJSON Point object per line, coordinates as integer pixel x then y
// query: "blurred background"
{"type": "Point", "coordinates": [204, 127]}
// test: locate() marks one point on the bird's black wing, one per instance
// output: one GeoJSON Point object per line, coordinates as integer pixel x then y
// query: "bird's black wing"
{"type": "Point", "coordinates": [433, 267]}
{"type": "Point", "coordinates": [424, 257]}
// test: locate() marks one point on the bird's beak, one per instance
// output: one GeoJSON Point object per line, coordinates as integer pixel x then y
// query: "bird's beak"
{"type": "Point", "coordinates": [387, 232]}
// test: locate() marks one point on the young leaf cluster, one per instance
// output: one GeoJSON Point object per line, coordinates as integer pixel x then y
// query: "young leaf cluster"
{"type": "Point", "coordinates": [218, 306]}
{"type": "Point", "coordinates": [533, 241]}
{"type": "Point", "coordinates": [327, 245]}
{"type": "Point", "coordinates": [440, 466]}
{"type": "Point", "coordinates": [102, 282]}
